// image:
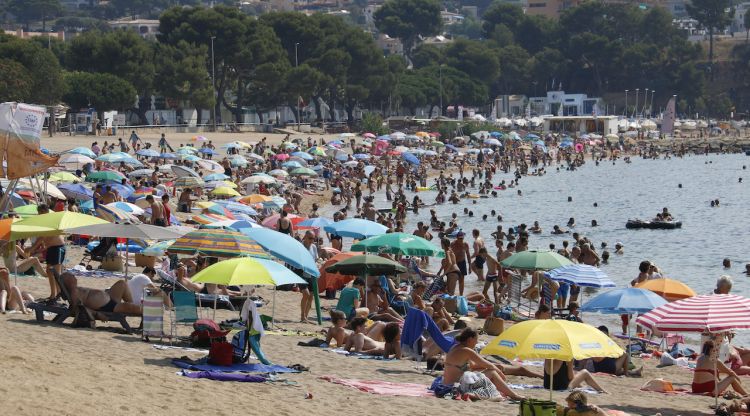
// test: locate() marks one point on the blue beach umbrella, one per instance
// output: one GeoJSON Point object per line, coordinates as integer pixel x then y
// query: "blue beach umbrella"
{"type": "Point", "coordinates": [292, 165]}
{"type": "Point", "coordinates": [361, 156]}
{"type": "Point", "coordinates": [315, 222]}
{"type": "Point", "coordinates": [581, 275]}
{"type": "Point", "coordinates": [85, 151]}
{"type": "Point", "coordinates": [410, 158]}
{"type": "Point", "coordinates": [207, 151]}
{"type": "Point", "coordinates": [624, 301]}
{"type": "Point", "coordinates": [303, 155]}
{"type": "Point", "coordinates": [285, 248]}
{"type": "Point", "coordinates": [236, 207]}
{"type": "Point", "coordinates": [76, 191]}
{"type": "Point", "coordinates": [148, 153]}
{"type": "Point", "coordinates": [216, 177]}
{"type": "Point", "coordinates": [167, 156]}
{"type": "Point", "coordinates": [356, 228]}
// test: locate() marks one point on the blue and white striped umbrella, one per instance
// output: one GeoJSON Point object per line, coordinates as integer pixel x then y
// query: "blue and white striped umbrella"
{"type": "Point", "coordinates": [581, 275]}
{"type": "Point", "coordinates": [148, 153]}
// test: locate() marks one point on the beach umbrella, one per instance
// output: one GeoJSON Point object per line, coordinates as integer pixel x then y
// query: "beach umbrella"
{"type": "Point", "coordinates": [293, 164]}
{"type": "Point", "coordinates": [247, 271]}
{"type": "Point", "coordinates": [206, 151]}
{"type": "Point", "coordinates": [157, 249]}
{"type": "Point", "coordinates": [188, 181]}
{"type": "Point", "coordinates": [317, 151]}
{"type": "Point", "coordinates": [127, 231]}
{"type": "Point", "coordinates": [384, 137]}
{"type": "Point", "coordinates": [167, 156]}
{"type": "Point", "coordinates": [182, 171]}
{"type": "Point", "coordinates": [198, 139]}
{"type": "Point", "coordinates": [303, 155]}
{"type": "Point", "coordinates": [451, 147]}
{"type": "Point", "coordinates": [279, 172]}
{"type": "Point", "coordinates": [216, 184]}
{"type": "Point", "coordinates": [127, 207]}
{"type": "Point", "coordinates": [258, 179]}
{"type": "Point", "coordinates": [706, 313]}
{"type": "Point", "coordinates": [209, 218]}
{"type": "Point", "coordinates": [236, 225]}
{"type": "Point", "coordinates": [317, 223]}
{"type": "Point", "coordinates": [281, 156]}
{"type": "Point", "coordinates": [76, 191]}
{"type": "Point", "coordinates": [361, 156]}
{"type": "Point", "coordinates": [215, 177]}
{"type": "Point", "coordinates": [225, 191]}
{"type": "Point", "coordinates": [211, 165]}
{"type": "Point", "coordinates": [399, 243]}
{"type": "Point", "coordinates": [26, 210]}
{"type": "Point", "coordinates": [273, 221]}
{"type": "Point", "coordinates": [255, 199]}
{"type": "Point", "coordinates": [61, 221]}
{"type": "Point", "coordinates": [238, 161]}
{"type": "Point", "coordinates": [217, 243]}
{"type": "Point", "coordinates": [104, 175]}
{"type": "Point", "coordinates": [492, 142]}
{"type": "Point", "coordinates": [84, 151]}
{"type": "Point", "coordinates": [236, 207]}
{"type": "Point", "coordinates": [581, 275]}
{"type": "Point", "coordinates": [669, 289]}
{"type": "Point", "coordinates": [368, 264]}
{"type": "Point", "coordinates": [214, 208]}
{"type": "Point", "coordinates": [190, 158]}
{"type": "Point", "coordinates": [535, 260]}
{"type": "Point", "coordinates": [231, 145]}
{"type": "Point", "coordinates": [148, 153]}
{"type": "Point", "coordinates": [410, 158]}
{"type": "Point", "coordinates": [141, 173]}
{"type": "Point", "coordinates": [112, 214]}
{"type": "Point", "coordinates": [351, 163]}
{"type": "Point", "coordinates": [75, 158]}
{"type": "Point", "coordinates": [285, 248]}
{"type": "Point", "coordinates": [552, 339]}
{"type": "Point", "coordinates": [303, 172]}
{"type": "Point", "coordinates": [187, 150]}
{"type": "Point", "coordinates": [356, 228]}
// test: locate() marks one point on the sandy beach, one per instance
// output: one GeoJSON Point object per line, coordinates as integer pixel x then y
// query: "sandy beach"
{"type": "Point", "coordinates": [51, 369]}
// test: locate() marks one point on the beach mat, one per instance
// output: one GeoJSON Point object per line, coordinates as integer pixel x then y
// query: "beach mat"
{"type": "Point", "coordinates": [243, 368]}
{"type": "Point", "coordinates": [383, 388]}
{"type": "Point", "coordinates": [587, 390]}
{"type": "Point", "coordinates": [359, 355]}
{"type": "Point", "coordinates": [223, 376]}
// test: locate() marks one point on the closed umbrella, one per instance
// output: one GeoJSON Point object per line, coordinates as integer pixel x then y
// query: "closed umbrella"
{"type": "Point", "coordinates": [399, 243]}
{"type": "Point", "coordinates": [356, 228]}
{"type": "Point", "coordinates": [535, 260]}
{"type": "Point", "coordinates": [553, 340]}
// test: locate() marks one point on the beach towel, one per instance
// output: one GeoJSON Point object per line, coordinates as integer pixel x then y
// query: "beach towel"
{"type": "Point", "coordinates": [174, 347]}
{"type": "Point", "coordinates": [359, 355]}
{"type": "Point", "coordinates": [587, 390]}
{"type": "Point", "coordinates": [222, 376]}
{"type": "Point", "coordinates": [440, 389]}
{"type": "Point", "coordinates": [384, 388]}
{"type": "Point", "coordinates": [249, 308]}
{"type": "Point", "coordinates": [80, 271]}
{"type": "Point", "coordinates": [415, 323]}
{"type": "Point", "coordinates": [244, 368]}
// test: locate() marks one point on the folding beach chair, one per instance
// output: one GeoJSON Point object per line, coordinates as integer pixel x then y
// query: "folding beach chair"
{"type": "Point", "coordinates": [153, 317]}
{"type": "Point", "coordinates": [522, 305]}
{"type": "Point", "coordinates": [185, 310]}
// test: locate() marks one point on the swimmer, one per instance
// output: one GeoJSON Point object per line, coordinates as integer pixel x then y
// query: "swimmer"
{"type": "Point", "coordinates": [493, 212]}
{"type": "Point", "coordinates": [727, 264]}
{"type": "Point", "coordinates": [572, 222]}
{"type": "Point", "coordinates": [594, 223]}
{"type": "Point", "coordinates": [471, 213]}
{"type": "Point", "coordinates": [604, 244]}
{"type": "Point", "coordinates": [484, 217]}
{"type": "Point", "coordinates": [570, 199]}
{"type": "Point", "coordinates": [520, 193]}
{"type": "Point", "coordinates": [536, 229]}
{"type": "Point", "coordinates": [605, 257]}
{"type": "Point", "coordinates": [499, 218]}
{"type": "Point", "coordinates": [595, 204]}
{"type": "Point", "coordinates": [619, 248]}
{"type": "Point", "coordinates": [466, 210]}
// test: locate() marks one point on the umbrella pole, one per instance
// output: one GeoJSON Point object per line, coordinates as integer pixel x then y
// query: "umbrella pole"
{"type": "Point", "coordinates": [127, 254]}
{"type": "Point", "coordinates": [273, 309]}
{"type": "Point", "coordinates": [551, 365]}
{"type": "Point", "coordinates": [214, 316]}
{"type": "Point", "coordinates": [316, 296]}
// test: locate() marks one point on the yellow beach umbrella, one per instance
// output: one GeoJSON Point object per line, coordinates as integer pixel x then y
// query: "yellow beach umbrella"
{"type": "Point", "coordinates": [553, 340]}
{"type": "Point", "coordinates": [225, 191]}
{"type": "Point", "coordinates": [60, 221]}
{"type": "Point", "coordinates": [229, 184]}
{"type": "Point", "coordinates": [256, 199]}
{"type": "Point", "coordinates": [204, 204]}
{"type": "Point", "coordinates": [422, 134]}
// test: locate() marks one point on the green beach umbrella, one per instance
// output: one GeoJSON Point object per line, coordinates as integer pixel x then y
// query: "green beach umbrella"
{"type": "Point", "coordinates": [61, 221]}
{"type": "Point", "coordinates": [535, 260]}
{"type": "Point", "coordinates": [103, 175]}
{"type": "Point", "coordinates": [26, 210]}
{"type": "Point", "coordinates": [303, 172]}
{"type": "Point", "coordinates": [367, 264]}
{"type": "Point", "coordinates": [399, 243]}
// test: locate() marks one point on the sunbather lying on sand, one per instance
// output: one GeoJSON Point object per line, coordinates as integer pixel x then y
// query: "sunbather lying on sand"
{"type": "Point", "coordinates": [118, 299]}
{"type": "Point", "coordinates": [359, 342]}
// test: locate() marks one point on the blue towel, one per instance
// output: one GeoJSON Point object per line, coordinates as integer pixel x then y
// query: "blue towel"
{"type": "Point", "coordinates": [416, 322]}
{"type": "Point", "coordinates": [440, 389]}
{"type": "Point", "coordinates": [245, 368]}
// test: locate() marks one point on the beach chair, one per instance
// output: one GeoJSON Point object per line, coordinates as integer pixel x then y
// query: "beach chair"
{"type": "Point", "coordinates": [101, 251]}
{"type": "Point", "coordinates": [185, 310]}
{"type": "Point", "coordinates": [62, 312]}
{"type": "Point", "coordinates": [522, 305]}
{"type": "Point", "coordinates": [153, 317]}
{"type": "Point", "coordinates": [169, 284]}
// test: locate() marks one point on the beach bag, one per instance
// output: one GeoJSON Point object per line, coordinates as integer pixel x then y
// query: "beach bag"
{"type": "Point", "coordinates": [534, 407]}
{"type": "Point", "coordinates": [220, 353]}
{"type": "Point", "coordinates": [484, 310]}
{"type": "Point", "coordinates": [206, 332]}
{"type": "Point", "coordinates": [462, 306]}
{"type": "Point", "coordinates": [451, 303]}
{"type": "Point", "coordinates": [494, 326]}
{"type": "Point", "coordinates": [239, 347]}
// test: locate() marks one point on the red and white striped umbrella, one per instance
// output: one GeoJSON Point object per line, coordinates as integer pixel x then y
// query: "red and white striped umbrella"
{"type": "Point", "coordinates": [708, 313]}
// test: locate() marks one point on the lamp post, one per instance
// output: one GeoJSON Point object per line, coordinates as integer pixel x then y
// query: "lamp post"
{"type": "Point", "coordinates": [296, 64]}
{"type": "Point", "coordinates": [635, 109]}
{"type": "Point", "coordinates": [645, 103]}
{"type": "Point", "coordinates": [440, 71]}
{"type": "Point", "coordinates": [651, 106]}
{"type": "Point", "coordinates": [213, 86]}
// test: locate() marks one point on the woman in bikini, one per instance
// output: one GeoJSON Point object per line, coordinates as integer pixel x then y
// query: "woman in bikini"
{"type": "Point", "coordinates": [449, 266]}
{"type": "Point", "coordinates": [462, 358]}
{"type": "Point", "coordinates": [706, 374]}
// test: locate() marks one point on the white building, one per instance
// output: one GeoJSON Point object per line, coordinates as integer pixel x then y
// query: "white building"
{"type": "Point", "coordinates": [738, 21]}
{"type": "Point", "coordinates": [147, 28]}
{"type": "Point", "coordinates": [602, 125]}
{"type": "Point", "coordinates": [560, 103]}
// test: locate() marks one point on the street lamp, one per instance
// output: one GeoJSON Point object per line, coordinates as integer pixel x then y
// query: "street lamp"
{"type": "Point", "coordinates": [645, 103]}
{"type": "Point", "coordinates": [440, 71]}
{"type": "Point", "coordinates": [213, 86]}
{"type": "Point", "coordinates": [626, 104]}
{"type": "Point", "coordinates": [635, 109]}
{"type": "Point", "coordinates": [651, 106]}
{"type": "Point", "coordinates": [296, 64]}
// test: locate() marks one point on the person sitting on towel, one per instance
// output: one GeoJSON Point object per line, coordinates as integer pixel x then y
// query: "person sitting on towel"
{"type": "Point", "coordinates": [118, 299]}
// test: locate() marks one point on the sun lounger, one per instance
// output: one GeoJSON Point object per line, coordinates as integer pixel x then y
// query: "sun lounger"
{"type": "Point", "coordinates": [62, 311]}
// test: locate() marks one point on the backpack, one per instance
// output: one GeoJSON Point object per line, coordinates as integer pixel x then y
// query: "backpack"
{"type": "Point", "coordinates": [205, 332]}
{"type": "Point", "coordinates": [240, 350]}
{"type": "Point", "coordinates": [220, 353]}
{"type": "Point", "coordinates": [533, 407]}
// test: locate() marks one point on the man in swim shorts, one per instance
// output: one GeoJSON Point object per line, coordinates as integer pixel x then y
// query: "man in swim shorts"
{"type": "Point", "coordinates": [461, 250]}
{"type": "Point", "coordinates": [493, 268]}
{"type": "Point", "coordinates": [54, 247]}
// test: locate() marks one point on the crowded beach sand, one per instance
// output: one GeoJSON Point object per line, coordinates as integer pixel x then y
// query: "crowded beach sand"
{"type": "Point", "coordinates": [53, 369]}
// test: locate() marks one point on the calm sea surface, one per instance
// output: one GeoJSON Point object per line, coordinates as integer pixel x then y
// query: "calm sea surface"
{"type": "Point", "coordinates": [692, 254]}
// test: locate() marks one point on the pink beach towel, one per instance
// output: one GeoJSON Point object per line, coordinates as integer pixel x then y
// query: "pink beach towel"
{"type": "Point", "coordinates": [384, 388]}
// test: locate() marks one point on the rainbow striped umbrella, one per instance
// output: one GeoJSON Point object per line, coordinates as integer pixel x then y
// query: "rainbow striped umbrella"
{"type": "Point", "coordinates": [209, 218]}
{"type": "Point", "coordinates": [217, 243]}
